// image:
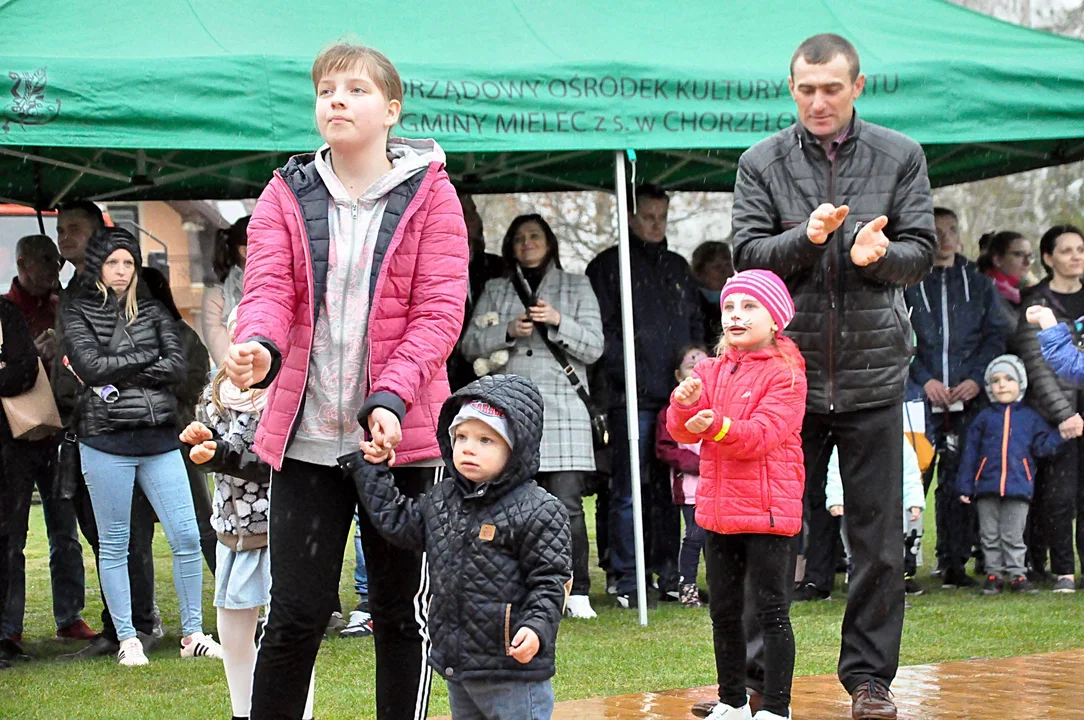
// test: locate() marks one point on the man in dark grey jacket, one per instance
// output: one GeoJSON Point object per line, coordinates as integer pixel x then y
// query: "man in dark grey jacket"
{"type": "Point", "coordinates": [841, 210]}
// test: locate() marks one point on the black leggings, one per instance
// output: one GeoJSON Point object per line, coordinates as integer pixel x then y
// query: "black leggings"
{"type": "Point", "coordinates": [312, 507]}
{"type": "Point", "coordinates": [763, 561]}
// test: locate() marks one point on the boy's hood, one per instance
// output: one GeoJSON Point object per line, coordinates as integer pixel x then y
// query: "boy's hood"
{"type": "Point", "coordinates": [521, 402]}
{"type": "Point", "coordinates": [408, 157]}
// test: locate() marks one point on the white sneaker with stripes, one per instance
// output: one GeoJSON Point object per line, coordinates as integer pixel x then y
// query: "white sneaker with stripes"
{"type": "Point", "coordinates": [200, 645]}
{"type": "Point", "coordinates": [131, 653]}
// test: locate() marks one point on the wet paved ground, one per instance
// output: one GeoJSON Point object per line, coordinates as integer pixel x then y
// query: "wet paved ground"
{"type": "Point", "coordinates": [1032, 686]}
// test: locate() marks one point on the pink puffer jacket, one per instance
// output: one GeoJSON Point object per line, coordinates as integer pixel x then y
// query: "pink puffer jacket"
{"type": "Point", "coordinates": [415, 317]}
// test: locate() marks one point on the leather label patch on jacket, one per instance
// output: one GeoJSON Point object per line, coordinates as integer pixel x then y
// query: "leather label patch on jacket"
{"type": "Point", "coordinates": [487, 532]}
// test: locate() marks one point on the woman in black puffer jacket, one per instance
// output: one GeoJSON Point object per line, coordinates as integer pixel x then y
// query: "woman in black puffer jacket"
{"type": "Point", "coordinates": [125, 350]}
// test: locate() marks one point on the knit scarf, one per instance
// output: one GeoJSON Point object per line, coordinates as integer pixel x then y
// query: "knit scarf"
{"type": "Point", "coordinates": [1007, 285]}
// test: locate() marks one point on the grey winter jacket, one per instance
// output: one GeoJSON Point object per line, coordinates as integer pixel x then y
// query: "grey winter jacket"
{"type": "Point", "coordinates": [850, 323]}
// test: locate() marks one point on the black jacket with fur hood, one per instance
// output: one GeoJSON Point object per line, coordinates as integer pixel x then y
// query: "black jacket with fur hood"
{"type": "Point", "coordinates": [141, 359]}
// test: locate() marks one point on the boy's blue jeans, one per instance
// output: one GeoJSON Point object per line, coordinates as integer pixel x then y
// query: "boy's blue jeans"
{"type": "Point", "coordinates": [500, 700]}
{"type": "Point", "coordinates": [110, 480]}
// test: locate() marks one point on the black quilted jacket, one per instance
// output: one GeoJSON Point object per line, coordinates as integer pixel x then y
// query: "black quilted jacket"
{"type": "Point", "coordinates": [499, 553]}
{"type": "Point", "coordinates": [850, 323]}
{"type": "Point", "coordinates": [148, 360]}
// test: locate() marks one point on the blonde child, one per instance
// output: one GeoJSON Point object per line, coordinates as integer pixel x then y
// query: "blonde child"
{"type": "Point", "coordinates": [746, 407]}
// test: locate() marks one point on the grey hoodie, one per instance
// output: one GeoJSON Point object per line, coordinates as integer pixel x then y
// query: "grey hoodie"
{"type": "Point", "coordinates": [337, 368]}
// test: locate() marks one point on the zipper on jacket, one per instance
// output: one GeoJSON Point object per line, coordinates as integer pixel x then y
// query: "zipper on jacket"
{"type": "Point", "coordinates": [342, 318]}
{"type": "Point", "coordinates": [1027, 470]}
{"type": "Point", "coordinates": [944, 329]}
{"type": "Point", "coordinates": [150, 406]}
{"type": "Point", "coordinates": [834, 275]}
{"type": "Point", "coordinates": [507, 627]}
{"type": "Point", "coordinates": [1005, 451]}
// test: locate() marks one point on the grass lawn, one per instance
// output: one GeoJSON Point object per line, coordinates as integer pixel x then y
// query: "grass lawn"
{"type": "Point", "coordinates": [611, 656]}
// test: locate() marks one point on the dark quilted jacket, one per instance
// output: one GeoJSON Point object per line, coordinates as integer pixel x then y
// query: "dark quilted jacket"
{"type": "Point", "coordinates": [149, 359]}
{"type": "Point", "coordinates": [484, 590]}
{"type": "Point", "coordinates": [1056, 398]}
{"type": "Point", "coordinates": [850, 323]}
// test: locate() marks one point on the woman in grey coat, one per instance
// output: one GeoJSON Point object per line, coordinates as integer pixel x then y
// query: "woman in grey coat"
{"type": "Point", "coordinates": [503, 336]}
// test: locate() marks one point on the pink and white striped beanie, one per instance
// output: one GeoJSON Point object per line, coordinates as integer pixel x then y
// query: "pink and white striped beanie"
{"type": "Point", "coordinates": [768, 288]}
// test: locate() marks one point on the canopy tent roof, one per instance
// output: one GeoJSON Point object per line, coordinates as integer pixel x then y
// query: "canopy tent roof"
{"type": "Point", "coordinates": [196, 99]}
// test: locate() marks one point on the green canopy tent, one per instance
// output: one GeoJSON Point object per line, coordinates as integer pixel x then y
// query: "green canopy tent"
{"type": "Point", "coordinates": [195, 99]}
{"type": "Point", "coordinates": [198, 99]}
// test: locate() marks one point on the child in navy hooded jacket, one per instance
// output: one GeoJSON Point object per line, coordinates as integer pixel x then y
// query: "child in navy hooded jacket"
{"type": "Point", "coordinates": [997, 470]}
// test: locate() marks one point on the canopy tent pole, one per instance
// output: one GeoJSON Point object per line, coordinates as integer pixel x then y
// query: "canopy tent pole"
{"type": "Point", "coordinates": [633, 410]}
{"type": "Point", "coordinates": [38, 197]}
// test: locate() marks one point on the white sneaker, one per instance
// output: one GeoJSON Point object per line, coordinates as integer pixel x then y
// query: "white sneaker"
{"type": "Point", "coordinates": [360, 625]}
{"type": "Point", "coordinates": [131, 653]}
{"type": "Point", "coordinates": [579, 606]}
{"type": "Point", "coordinates": [723, 711]}
{"type": "Point", "coordinates": [765, 715]}
{"type": "Point", "coordinates": [201, 645]}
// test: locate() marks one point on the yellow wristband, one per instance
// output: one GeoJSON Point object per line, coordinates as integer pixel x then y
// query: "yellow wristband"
{"type": "Point", "coordinates": [724, 431]}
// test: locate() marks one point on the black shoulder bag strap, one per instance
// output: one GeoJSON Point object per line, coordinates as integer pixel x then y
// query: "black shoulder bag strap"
{"type": "Point", "coordinates": [529, 300]}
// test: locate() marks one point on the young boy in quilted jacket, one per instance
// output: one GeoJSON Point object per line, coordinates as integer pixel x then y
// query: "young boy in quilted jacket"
{"type": "Point", "coordinates": [498, 546]}
{"type": "Point", "coordinates": [745, 407]}
{"type": "Point", "coordinates": [997, 472]}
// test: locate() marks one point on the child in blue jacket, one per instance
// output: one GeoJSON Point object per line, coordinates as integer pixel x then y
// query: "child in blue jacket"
{"type": "Point", "coordinates": [1059, 348]}
{"type": "Point", "coordinates": [997, 470]}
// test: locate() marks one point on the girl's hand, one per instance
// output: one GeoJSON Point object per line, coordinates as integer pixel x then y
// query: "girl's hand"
{"type": "Point", "coordinates": [700, 422]}
{"type": "Point", "coordinates": [247, 364]}
{"type": "Point", "coordinates": [836, 511]}
{"type": "Point", "coordinates": [385, 428]}
{"type": "Point", "coordinates": [688, 392]}
{"type": "Point", "coordinates": [195, 434]}
{"type": "Point", "coordinates": [1041, 316]}
{"type": "Point", "coordinates": [203, 453]}
{"type": "Point", "coordinates": [543, 312]}
{"type": "Point", "coordinates": [916, 513]}
{"type": "Point", "coordinates": [524, 645]}
{"type": "Point", "coordinates": [376, 454]}
{"type": "Point", "coordinates": [965, 499]}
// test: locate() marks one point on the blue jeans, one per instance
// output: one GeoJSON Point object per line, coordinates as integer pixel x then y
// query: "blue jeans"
{"type": "Point", "coordinates": [622, 548]}
{"type": "Point", "coordinates": [500, 700]}
{"type": "Point", "coordinates": [361, 575]}
{"type": "Point", "coordinates": [163, 479]}
{"type": "Point", "coordinates": [38, 465]}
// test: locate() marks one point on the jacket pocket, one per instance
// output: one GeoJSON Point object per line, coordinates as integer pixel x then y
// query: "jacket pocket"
{"type": "Point", "coordinates": [1027, 471]}
{"type": "Point", "coordinates": [979, 472]}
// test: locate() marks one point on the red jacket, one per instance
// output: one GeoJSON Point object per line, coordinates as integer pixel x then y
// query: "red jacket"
{"type": "Point", "coordinates": [416, 308]}
{"type": "Point", "coordinates": [752, 480]}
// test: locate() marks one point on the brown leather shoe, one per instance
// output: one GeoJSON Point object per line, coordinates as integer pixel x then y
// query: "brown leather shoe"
{"type": "Point", "coordinates": [703, 709]}
{"type": "Point", "coordinates": [872, 701]}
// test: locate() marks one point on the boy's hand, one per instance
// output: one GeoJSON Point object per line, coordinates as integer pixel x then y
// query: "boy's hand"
{"type": "Point", "coordinates": [871, 244]}
{"type": "Point", "coordinates": [824, 221]}
{"type": "Point", "coordinates": [385, 428]}
{"type": "Point", "coordinates": [688, 392]}
{"type": "Point", "coordinates": [916, 513]}
{"type": "Point", "coordinates": [195, 434]}
{"type": "Point", "coordinates": [247, 364]}
{"type": "Point", "coordinates": [1071, 427]}
{"type": "Point", "coordinates": [524, 645]}
{"type": "Point", "coordinates": [203, 452]}
{"type": "Point", "coordinates": [965, 499]}
{"type": "Point", "coordinates": [836, 511]}
{"type": "Point", "coordinates": [376, 454]}
{"type": "Point", "coordinates": [1041, 316]}
{"type": "Point", "coordinates": [700, 422]}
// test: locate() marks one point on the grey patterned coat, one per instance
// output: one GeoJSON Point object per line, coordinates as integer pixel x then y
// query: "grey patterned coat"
{"type": "Point", "coordinates": [566, 438]}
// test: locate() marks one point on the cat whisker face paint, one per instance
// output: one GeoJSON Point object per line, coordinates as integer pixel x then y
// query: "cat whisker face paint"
{"type": "Point", "coordinates": [747, 325]}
